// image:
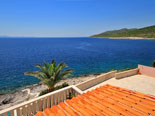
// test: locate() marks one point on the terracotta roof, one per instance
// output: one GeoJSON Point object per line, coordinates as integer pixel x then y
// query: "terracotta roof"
{"type": "Point", "coordinates": [105, 101]}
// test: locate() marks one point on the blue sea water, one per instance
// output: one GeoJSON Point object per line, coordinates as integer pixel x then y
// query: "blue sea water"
{"type": "Point", "coordinates": [85, 55]}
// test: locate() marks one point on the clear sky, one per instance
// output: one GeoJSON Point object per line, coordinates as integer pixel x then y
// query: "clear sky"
{"type": "Point", "coordinates": [72, 18]}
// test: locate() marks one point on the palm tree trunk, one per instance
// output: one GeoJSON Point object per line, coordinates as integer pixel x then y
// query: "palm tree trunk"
{"type": "Point", "coordinates": [51, 89]}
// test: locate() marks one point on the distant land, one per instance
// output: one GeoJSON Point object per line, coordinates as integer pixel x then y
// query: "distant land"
{"type": "Point", "coordinates": [140, 33]}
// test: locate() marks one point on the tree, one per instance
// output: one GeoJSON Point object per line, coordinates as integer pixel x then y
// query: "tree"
{"type": "Point", "coordinates": [50, 74]}
{"type": "Point", "coordinates": [153, 64]}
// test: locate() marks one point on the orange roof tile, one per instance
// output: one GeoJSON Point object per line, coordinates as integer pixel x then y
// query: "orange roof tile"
{"type": "Point", "coordinates": [107, 100]}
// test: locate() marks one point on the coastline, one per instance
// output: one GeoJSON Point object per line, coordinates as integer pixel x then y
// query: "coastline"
{"type": "Point", "coordinates": [130, 38]}
{"type": "Point", "coordinates": [32, 91]}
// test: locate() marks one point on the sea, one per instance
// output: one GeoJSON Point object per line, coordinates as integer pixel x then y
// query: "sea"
{"type": "Point", "coordinates": [83, 54]}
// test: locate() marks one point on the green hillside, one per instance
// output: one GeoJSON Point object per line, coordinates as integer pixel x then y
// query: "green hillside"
{"type": "Point", "coordinates": [146, 32]}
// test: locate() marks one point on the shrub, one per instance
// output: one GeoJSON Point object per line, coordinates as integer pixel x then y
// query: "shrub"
{"type": "Point", "coordinates": [111, 70]}
{"type": "Point", "coordinates": [153, 64]}
{"type": "Point", "coordinates": [125, 69]}
{"type": "Point", "coordinates": [44, 92]}
{"type": "Point", "coordinates": [70, 96]}
{"type": "Point", "coordinates": [61, 86]}
{"type": "Point", "coordinates": [55, 88]}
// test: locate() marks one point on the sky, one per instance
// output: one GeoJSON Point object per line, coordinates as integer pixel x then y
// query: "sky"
{"type": "Point", "coordinates": [72, 18]}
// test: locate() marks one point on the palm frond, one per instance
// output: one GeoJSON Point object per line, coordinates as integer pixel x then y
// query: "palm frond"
{"type": "Point", "coordinates": [63, 74]}
{"type": "Point", "coordinates": [67, 72]}
{"type": "Point", "coordinates": [60, 67]}
{"type": "Point", "coordinates": [39, 66]}
{"type": "Point", "coordinates": [53, 64]}
{"type": "Point", "coordinates": [36, 74]}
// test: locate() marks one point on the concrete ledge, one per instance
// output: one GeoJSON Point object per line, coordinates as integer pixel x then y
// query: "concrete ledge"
{"type": "Point", "coordinates": [92, 82]}
{"type": "Point", "coordinates": [126, 73]}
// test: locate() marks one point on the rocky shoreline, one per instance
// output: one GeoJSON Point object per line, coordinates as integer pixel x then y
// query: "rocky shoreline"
{"type": "Point", "coordinates": [130, 38]}
{"type": "Point", "coordinates": [30, 92]}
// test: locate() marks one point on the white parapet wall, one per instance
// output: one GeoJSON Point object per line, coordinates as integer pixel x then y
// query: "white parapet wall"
{"type": "Point", "coordinates": [99, 79]}
{"type": "Point", "coordinates": [146, 70]}
{"type": "Point", "coordinates": [127, 73]}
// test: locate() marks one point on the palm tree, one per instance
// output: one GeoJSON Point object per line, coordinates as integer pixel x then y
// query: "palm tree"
{"type": "Point", "coordinates": [50, 74]}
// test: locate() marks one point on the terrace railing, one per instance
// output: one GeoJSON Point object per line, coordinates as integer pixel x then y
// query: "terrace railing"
{"type": "Point", "coordinates": [29, 108]}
